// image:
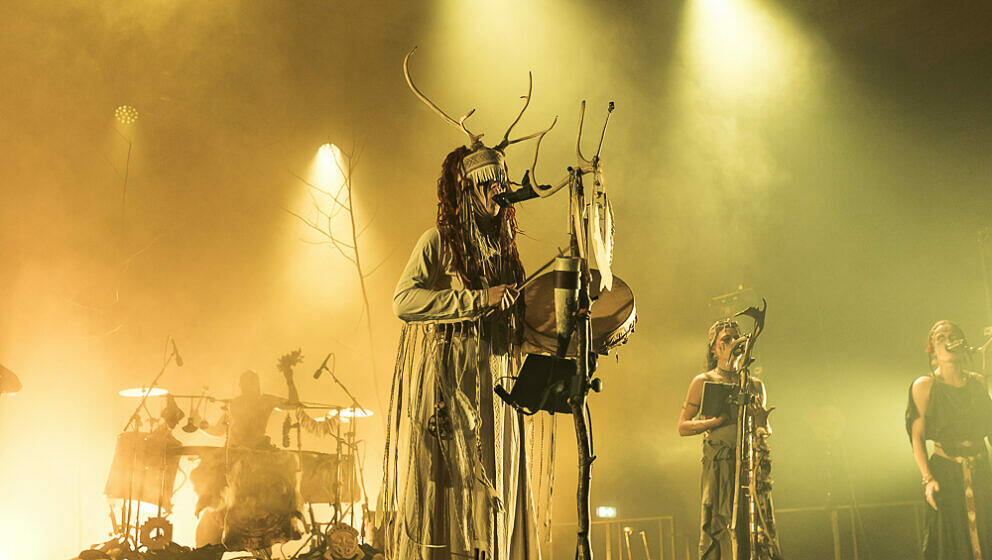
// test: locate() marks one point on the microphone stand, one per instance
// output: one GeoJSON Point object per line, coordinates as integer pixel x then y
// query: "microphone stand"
{"type": "Point", "coordinates": [581, 382]}
{"type": "Point", "coordinates": [352, 447]}
{"type": "Point", "coordinates": [584, 378]}
{"type": "Point", "coordinates": [148, 390]}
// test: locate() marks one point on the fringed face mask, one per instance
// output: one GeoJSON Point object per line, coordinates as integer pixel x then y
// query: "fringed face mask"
{"type": "Point", "coordinates": [484, 171]}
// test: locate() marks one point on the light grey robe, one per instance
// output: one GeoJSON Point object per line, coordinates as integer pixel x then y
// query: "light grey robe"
{"type": "Point", "coordinates": [468, 488]}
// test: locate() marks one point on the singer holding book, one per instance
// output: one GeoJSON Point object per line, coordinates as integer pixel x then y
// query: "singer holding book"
{"type": "Point", "coordinates": [719, 440]}
{"type": "Point", "coordinates": [951, 407]}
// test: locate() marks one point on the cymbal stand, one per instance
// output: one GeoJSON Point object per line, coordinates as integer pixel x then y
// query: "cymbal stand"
{"type": "Point", "coordinates": [135, 419]}
{"type": "Point", "coordinates": [134, 416]}
{"type": "Point", "coordinates": [352, 450]}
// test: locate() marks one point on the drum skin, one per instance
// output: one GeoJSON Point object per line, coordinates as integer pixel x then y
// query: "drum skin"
{"type": "Point", "coordinates": [144, 469]}
{"type": "Point", "coordinates": [324, 479]}
{"type": "Point", "coordinates": [613, 316]}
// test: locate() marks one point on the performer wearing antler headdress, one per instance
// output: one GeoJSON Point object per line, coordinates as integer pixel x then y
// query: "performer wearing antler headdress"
{"type": "Point", "coordinates": [455, 469]}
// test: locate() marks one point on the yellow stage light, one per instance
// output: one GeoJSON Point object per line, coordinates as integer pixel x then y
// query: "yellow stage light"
{"type": "Point", "coordinates": [326, 172]}
{"type": "Point", "coordinates": [126, 114]}
{"type": "Point", "coordinates": [742, 48]}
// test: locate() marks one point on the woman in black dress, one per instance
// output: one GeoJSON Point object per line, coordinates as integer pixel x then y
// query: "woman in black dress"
{"type": "Point", "coordinates": [951, 407]}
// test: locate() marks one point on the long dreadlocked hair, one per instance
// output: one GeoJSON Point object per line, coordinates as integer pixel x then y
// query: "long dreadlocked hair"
{"type": "Point", "coordinates": [460, 251]}
{"type": "Point", "coordinates": [462, 240]}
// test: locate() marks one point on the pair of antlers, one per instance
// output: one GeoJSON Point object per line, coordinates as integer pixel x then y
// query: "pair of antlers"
{"type": "Point", "coordinates": [475, 139]}
{"type": "Point", "coordinates": [586, 165]}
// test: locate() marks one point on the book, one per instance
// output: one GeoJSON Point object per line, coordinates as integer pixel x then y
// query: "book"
{"type": "Point", "coordinates": [715, 397]}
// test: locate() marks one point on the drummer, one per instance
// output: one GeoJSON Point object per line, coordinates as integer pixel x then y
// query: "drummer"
{"type": "Point", "coordinates": [228, 482]}
{"type": "Point", "coordinates": [248, 414]}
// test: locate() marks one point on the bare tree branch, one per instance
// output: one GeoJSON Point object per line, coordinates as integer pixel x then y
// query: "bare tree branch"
{"type": "Point", "coordinates": [318, 229]}
{"type": "Point", "coordinates": [320, 190]}
{"type": "Point", "coordinates": [342, 198]}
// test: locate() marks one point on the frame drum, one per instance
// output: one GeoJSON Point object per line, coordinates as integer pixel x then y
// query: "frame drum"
{"type": "Point", "coordinates": [613, 316]}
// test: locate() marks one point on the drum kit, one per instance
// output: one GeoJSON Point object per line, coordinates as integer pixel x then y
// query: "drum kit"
{"type": "Point", "coordinates": [147, 460]}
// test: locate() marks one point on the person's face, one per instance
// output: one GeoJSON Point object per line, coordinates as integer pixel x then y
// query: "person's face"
{"type": "Point", "coordinates": [482, 198]}
{"type": "Point", "coordinates": [722, 346]}
{"type": "Point", "coordinates": [249, 383]}
{"type": "Point", "coordinates": [944, 335]}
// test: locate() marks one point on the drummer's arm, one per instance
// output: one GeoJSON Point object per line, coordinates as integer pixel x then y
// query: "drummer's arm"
{"type": "Point", "coordinates": [294, 395]}
{"type": "Point", "coordinates": [414, 300]}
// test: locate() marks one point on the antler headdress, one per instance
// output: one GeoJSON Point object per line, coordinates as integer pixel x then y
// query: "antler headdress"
{"type": "Point", "coordinates": [482, 163]}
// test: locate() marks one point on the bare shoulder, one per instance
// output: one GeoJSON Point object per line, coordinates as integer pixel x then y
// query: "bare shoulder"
{"type": "Point", "coordinates": [921, 391]}
{"type": "Point", "coordinates": [701, 378]}
{"type": "Point", "coordinates": [923, 383]}
{"type": "Point", "coordinates": [696, 385]}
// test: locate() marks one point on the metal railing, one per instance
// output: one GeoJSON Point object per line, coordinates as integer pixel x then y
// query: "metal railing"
{"type": "Point", "coordinates": [854, 514]}
{"type": "Point", "coordinates": [653, 538]}
{"type": "Point", "coordinates": [631, 538]}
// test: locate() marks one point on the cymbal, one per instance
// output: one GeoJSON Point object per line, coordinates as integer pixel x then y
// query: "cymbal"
{"type": "Point", "coordinates": [143, 391]}
{"type": "Point", "coordinates": [308, 404]}
{"type": "Point", "coordinates": [345, 414]}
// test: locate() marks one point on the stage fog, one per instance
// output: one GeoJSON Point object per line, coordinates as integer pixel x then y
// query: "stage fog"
{"type": "Point", "coordinates": [830, 159]}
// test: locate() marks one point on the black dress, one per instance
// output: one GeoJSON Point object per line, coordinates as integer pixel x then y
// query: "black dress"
{"type": "Point", "coordinates": [959, 418]}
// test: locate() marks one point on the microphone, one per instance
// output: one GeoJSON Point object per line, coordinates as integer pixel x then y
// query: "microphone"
{"type": "Point", "coordinates": [505, 199]}
{"type": "Point", "coordinates": [525, 192]}
{"type": "Point", "coordinates": [959, 346]}
{"type": "Point", "coordinates": [175, 352]}
{"type": "Point", "coordinates": [737, 345]}
{"type": "Point", "coordinates": [323, 366]}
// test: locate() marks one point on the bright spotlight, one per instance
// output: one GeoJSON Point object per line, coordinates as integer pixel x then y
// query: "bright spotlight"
{"type": "Point", "coordinates": [326, 151]}
{"type": "Point", "coordinates": [326, 171]}
{"type": "Point", "coordinates": [126, 114]}
{"type": "Point", "coordinates": [606, 512]}
{"type": "Point", "coordinates": [742, 48]}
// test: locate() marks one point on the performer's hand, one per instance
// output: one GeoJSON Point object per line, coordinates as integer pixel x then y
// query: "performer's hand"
{"type": "Point", "coordinates": [716, 422]}
{"type": "Point", "coordinates": [932, 488]}
{"type": "Point", "coordinates": [502, 297]}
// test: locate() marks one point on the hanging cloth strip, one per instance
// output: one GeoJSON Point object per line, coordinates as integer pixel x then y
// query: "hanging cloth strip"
{"type": "Point", "coordinates": [968, 464]}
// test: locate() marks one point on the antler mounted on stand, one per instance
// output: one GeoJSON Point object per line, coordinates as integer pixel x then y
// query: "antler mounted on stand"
{"type": "Point", "coordinates": [590, 165]}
